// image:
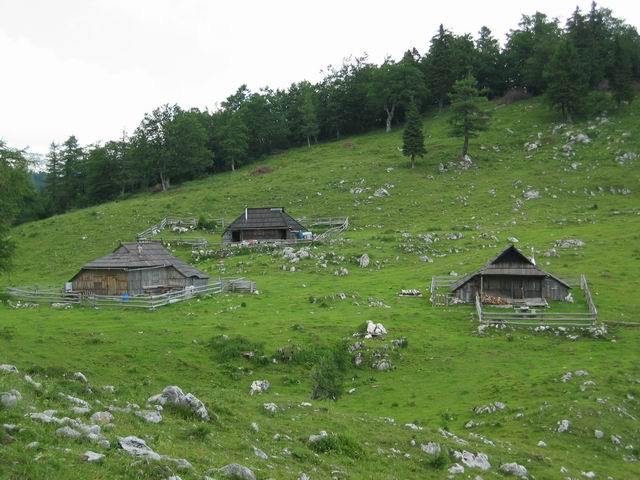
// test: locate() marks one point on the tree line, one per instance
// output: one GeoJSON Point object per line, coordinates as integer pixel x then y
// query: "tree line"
{"type": "Point", "coordinates": [589, 64]}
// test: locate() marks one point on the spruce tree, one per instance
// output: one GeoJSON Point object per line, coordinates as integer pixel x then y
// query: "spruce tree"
{"type": "Point", "coordinates": [412, 137]}
{"type": "Point", "coordinates": [469, 111]}
{"type": "Point", "coordinates": [309, 126]}
{"type": "Point", "coordinates": [621, 77]}
{"type": "Point", "coordinates": [566, 82]}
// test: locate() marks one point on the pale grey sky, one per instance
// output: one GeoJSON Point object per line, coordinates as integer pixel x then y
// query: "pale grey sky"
{"type": "Point", "coordinates": [94, 67]}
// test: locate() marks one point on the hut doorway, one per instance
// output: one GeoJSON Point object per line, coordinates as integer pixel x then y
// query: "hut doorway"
{"type": "Point", "coordinates": [235, 236]}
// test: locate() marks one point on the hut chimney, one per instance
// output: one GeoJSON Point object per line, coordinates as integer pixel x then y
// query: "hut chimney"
{"type": "Point", "coordinates": [139, 249]}
{"type": "Point", "coordinates": [533, 258]}
{"type": "Point", "coordinates": [246, 214]}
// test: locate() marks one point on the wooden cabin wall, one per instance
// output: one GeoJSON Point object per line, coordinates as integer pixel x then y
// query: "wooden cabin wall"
{"type": "Point", "coordinates": [554, 290]}
{"type": "Point", "coordinates": [510, 286]}
{"type": "Point", "coordinates": [101, 282]}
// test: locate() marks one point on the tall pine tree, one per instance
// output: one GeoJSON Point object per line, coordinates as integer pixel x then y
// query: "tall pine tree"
{"type": "Point", "coordinates": [469, 111]}
{"type": "Point", "coordinates": [412, 137]}
{"type": "Point", "coordinates": [621, 76]}
{"type": "Point", "coordinates": [309, 116]}
{"type": "Point", "coordinates": [566, 82]}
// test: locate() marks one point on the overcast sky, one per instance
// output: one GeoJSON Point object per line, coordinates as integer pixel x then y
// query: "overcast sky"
{"type": "Point", "coordinates": [93, 68]}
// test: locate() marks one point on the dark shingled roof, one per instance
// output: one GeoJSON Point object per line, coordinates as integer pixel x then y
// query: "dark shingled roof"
{"type": "Point", "coordinates": [510, 261]}
{"type": "Point", "coordinates": [264, 218]}
{"type": "Point", "coordinates": [143, 255]}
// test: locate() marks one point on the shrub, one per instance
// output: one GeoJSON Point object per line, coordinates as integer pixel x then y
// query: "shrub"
{"type": "Point", "coordinates": [206, 224]}
{"type": "Point", "coordinates": [597, 103]}
{"type": "Point", "coordinates": [441, 460]}
{"type": "Point", "coordinates": [235, 347]}
{"type": "Point", "coordinates": [338, 443]}
{"type": "Point", "coordinates": [198, 432]}
{"type": "Point", "coordinates": [327, 375]}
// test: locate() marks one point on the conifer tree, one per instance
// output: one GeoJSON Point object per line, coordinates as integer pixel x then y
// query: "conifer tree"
{"type": "Point", "coordinates": [621, 77]}
{"type": "Point", "coordinates": [469, 111]}
{"type": "Point", "coordinates": [566, 83]}
{"type": "Point", "coordinates": [309, 127]}
{"type": "Point", "coordinates": [413, 137]}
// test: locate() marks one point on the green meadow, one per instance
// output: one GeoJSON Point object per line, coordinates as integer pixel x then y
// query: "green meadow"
{"type": "Point", "coordinates": [444, 370]}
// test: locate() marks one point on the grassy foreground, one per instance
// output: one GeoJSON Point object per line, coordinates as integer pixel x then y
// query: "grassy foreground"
{"type": "Point", "coordinates": [446, 368]}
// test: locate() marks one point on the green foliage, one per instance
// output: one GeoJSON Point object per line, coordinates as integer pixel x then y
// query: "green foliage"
{"type": "Point", "coordinates": [327, 375]}
{"type": "Point", "coordinates": [448, 367]}
{"type": "Point", "coordinates": [339, 444]}
{"type": "Point", "coordinates": [621, 76]}
{"type": "Point", "coordinates": [567, 85]}
{"type": "Point", "coordinates": [234, 139]}
{"type": "Point", "coordinates": [412, 137]}
{"type": "Point", "coordinates": [229, 348]}
{"type": "Point", "coordinates": [309, 113]}
{"type": "Point", "coordinates": [597, 103]}
{"type": "Point", "coordinates": [16, 190]}
{"type": "Point", "coordinates": [469, 110]}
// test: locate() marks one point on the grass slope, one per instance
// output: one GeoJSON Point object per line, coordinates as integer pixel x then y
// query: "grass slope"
{"type": "Point", "coordinates": [444, 372]}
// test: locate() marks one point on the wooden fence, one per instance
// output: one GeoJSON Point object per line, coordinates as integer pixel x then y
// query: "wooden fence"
{"type": "Point", "coordinates": [439, 289]}
{"type": "Point", "coordinates": [44, 295]}
{"type": "Point", "coordinates": [153, 301]}
{"type": "Point", "coordinates": [50, 296]}
{"type": "Point", "coordinates": [333, 231]}
{"type": "Point", "coordinates": [535, 317]}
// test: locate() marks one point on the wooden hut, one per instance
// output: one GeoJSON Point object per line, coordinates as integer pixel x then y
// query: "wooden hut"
{"type": "Point", "coordinates": [137, 268]}
{"type": "Point", "coordinates": [514, 278]}
{"type": "Point", "coordinates": [262, 225]}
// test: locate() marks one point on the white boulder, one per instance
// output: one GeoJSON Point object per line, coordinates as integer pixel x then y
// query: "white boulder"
{"type": "Point", "coordinates": [259, 386]}
{"type": "Point", "coordinates": [175, 396]}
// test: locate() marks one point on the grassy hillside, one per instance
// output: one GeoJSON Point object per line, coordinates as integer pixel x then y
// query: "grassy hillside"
{"type": "Point", "coordinates": [446, 369]}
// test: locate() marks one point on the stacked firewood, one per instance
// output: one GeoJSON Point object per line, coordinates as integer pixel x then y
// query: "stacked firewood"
{"type": "Point", "coordinates": [493, 300]}
{"type": "Point", "coordinates": [411, 292]}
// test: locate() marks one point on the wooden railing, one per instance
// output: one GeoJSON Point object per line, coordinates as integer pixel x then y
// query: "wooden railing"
{"type": "Point", "coordinates": [333, 231]}
{"type": "Point", "coordinates": [41, 296]}
{"type": "Point", "coordinates": [153, 301]}
{"type": "Point", "coordinates": [44, 295]}
{"type": "Point", "coordinates": [587, 295]}
{"type": "Point", "coordinates": [440, 289]}
{"type": "Point", "coordinates": [479, 308]}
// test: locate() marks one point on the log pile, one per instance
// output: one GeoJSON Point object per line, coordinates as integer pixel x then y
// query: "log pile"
{"type": "Point", "coordinates": [411, 292]}
{"type": "Point", "coordinates": [493, 300]}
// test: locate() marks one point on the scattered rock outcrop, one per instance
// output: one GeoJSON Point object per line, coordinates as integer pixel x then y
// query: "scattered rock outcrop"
{"type": "Point", "coordinates": [175, 396]}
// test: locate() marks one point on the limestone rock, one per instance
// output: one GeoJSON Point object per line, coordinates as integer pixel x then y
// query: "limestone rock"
{"type": "Point", "coordinates": [90, 456]}
{"type": "Point", "coordinates": [317, 438]}
{"type": "Point", "coordinates": [260, 454]}
{"type": "Point", "coordinates": [468, 459]}
{"type": "Point", "coordinates": [563, 426]}
{"type": "Point", "coordinates": [514, 469]}
{"type": "Point", "coordinates": [270, 407]}
{"type": "Point", "coordinates": [137, 447]}
{"type": "Point", "coordinates": [8, 368]}
{"type": "Point", "coordinates": [237, 471]}
{"type": "Point", "coordinates": [10, 399]}
{"type": "Point", "coordinates": [175, 396]}
{"type": "Point", "coordinates": [68, 432]}
{"type": "Point", "coordinates": [36, 385]}
{"type": "Point", "coordinates": [151, 416]}
{"type": "Point", "coordinates": [259, 386]}
{"type": "Point", "coordinates": [431, 448]}
{"type": "Point", "coordinates": [102, 417]}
